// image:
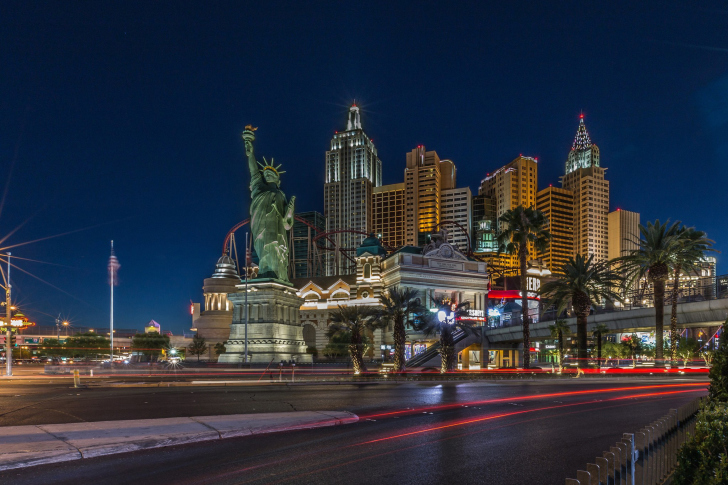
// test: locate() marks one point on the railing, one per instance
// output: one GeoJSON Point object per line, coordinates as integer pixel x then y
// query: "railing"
{"type": "Point", "coordinates": [646, 457]}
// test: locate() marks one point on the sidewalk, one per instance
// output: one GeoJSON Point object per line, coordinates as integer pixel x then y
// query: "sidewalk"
{"type": "Point", "coordinates": [23, 446]}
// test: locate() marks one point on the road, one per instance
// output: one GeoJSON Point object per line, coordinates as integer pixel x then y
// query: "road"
{"type": "Point", "coordinates": [511, 432]}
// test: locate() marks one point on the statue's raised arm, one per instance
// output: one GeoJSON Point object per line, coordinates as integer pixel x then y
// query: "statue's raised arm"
{"type": "Point", "coordinates": [255, 176]}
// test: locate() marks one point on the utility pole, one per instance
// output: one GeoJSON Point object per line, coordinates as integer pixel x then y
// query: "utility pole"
{"type": "Point", "coordinates": [9, 332]}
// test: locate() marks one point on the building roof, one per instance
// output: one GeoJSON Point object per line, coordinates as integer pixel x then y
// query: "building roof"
{"type": "Point", "coordinates": [324, 282]}
{"type": "Point", "coordinates": [581, 140]}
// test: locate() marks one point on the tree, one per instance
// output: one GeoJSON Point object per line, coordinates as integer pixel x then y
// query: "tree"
{"type": "Point", "coordinates": [633, 347]}
{"type": "Point", "coordinates": [559, 330]}
{"type": "Point", "coordinates": [356, 320]}
{"type": "Point", "coordinates": [338, 345]}
{"type": "Point", "coordinates": [87, 345]}
{"type": "Point", "coordinates": [581, 283]}
{"type": "Point", "coordinates": [707, 356]}
{"type": "Point", "coordinates": [690, 249]}
{"type": "Point", "coordinates": [443, 323]}
{"type": "Point", "coordinates": [219, 348]}
{"type": "Point", "coordinates": [53, 347]}
{"type": "Point", "coordinates": [598, 332]}
{"type": "Point", "coordinates": [523, 227]}
{"type": "Point", "coordinates": [653, 258]}
{"type": "Point", "coordinates": [612, 350]}
{"type": "Point", "coordinates": [150, 344]}
{"type": "Point", "coordinates": [198, 346]}
{"type": "Point", "coordinates": [401, 307]}
{"type": "Point", "coordinates": [687, 348]}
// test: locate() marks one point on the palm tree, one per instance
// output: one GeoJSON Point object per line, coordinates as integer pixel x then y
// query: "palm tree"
{"type": "Point", "coordinates": [354, 320]}
{"type": "Point", "coordinates": [581, 283]}
{"type": "Point", "coordinates": [653, 257]}
{"type": "Point", "coordinates": [598, 333]}
{"type": "Point", "coordinates": [401, 307]}
{"type": "Point", "coordinates": [443, 323]}
{"type": "Point", "coordinates": [523, 227]}
{"type": "Point", "coordinates": [690, 249]}
{"type": "Point", "coordinates": [559, 330]}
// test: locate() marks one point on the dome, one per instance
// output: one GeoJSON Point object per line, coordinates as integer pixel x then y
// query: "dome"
{"type": "Point", "coordinates": [225, 268]}
{"type": "Point", "coordinates": [371, 245]}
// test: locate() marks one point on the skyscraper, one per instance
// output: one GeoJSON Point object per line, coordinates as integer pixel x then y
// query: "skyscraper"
{"type": "Point", "coordinates": [304, 263]}
{"type": "Point", "coordinates": [558, 206]}
{"type": "Point", "coordinates": [508, 187]}
{"type": "Point", "coordinates": [584, 176]}
{"type": "Point", "coordinates": [388, 214]}
{"type": "Point", "coordinates": [423, 181]}
{"type": "Point", "coordinates": [624, 233]}
{"type": "Point", "coordinates": [483, 226]}
{"type": "Point", "coordinates": [456, 206]}
{"type": "Point", "coordinates": [353, 169]}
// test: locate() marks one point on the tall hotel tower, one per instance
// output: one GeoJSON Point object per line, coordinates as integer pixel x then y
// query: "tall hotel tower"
{"type": "Point", "coordinates": [584, 177]}
{"type": "Point", "coordinates": [353, 169]}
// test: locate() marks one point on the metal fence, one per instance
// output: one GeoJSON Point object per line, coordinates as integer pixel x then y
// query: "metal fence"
{"type": "Point", "coordinates": [646, 457]}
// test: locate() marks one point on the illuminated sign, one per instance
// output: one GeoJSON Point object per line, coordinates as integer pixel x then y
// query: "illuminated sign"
{"type": "Point", "coordinates": [476, 313]}
{"type": "Point", "coordinates": [493, 312]}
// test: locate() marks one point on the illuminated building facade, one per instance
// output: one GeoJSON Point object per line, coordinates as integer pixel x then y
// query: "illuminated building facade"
{"type": "Point", "coordinates": [483, 226]}
{"type": "Point", "coordinates": [353, 170]}
{"type": "Point", "coordinates": [584, 177]}
{"type": "Point", "coordinates": [557, 204]}
{"type": "Point", "coordinates": [456, 205]}
{"type": "Point", "coordinates": [425, 177]}
{"type": "Point", "coordinates": [388, 214]}
{"type": "Point", "coordinates": [510, 186]}
{"type": "Point", "coordinates": [624, 232]}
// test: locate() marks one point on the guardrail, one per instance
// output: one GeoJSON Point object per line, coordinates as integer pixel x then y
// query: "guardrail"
{"type": "Point", "coordinates": [646, 457]}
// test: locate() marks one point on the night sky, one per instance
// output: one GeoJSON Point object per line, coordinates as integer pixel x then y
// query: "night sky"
{"type": "Point", "coordinates": [122, 120]}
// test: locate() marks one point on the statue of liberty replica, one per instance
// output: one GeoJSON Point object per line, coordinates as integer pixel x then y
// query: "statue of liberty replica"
{"type": "Point", "coordinates": [270, 330]}
{"type": "Point", "coordinates": [270, 216]}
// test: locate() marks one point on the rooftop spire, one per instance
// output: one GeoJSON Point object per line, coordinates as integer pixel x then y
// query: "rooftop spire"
{"type": "Point", "coordinates": [354, 122]}
{"type": "Point", "coordinates": [581, 140]}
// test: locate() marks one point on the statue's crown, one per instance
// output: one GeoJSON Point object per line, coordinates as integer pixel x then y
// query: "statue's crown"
{"type": "Point", "coordinates": [269, 166]}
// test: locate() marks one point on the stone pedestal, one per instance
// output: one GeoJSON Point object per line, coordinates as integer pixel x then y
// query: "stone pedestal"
{"type": "Point", "coordinates": [274, 327]}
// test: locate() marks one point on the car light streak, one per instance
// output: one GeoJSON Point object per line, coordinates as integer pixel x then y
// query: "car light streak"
{"type": "Point", "coordinates": [514, 413]}
{"type": "Point", "coordinates": [533, 396]}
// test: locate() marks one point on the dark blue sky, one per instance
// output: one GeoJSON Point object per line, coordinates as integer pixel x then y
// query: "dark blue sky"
{"type": "Point", "coordinates": [124, 119]}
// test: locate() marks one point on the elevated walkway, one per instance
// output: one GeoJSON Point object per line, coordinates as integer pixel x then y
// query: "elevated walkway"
{"type": "Point", "coordinates": [693, 314]}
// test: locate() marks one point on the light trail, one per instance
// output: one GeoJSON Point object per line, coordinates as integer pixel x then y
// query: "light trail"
{"type": "Point", "coordinates": [514, 413]}
{"type": "Point", "coordinates": [533, 396]}
{"type": "Point", "coordinates": [461, 423]}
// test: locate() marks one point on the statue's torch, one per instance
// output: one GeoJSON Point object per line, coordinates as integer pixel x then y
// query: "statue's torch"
{"type": "Point", "coordinates": [249, 133]}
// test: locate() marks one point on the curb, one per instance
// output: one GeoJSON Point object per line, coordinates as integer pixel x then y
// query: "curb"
{"type": "Point", "coordinates": [24, 446]}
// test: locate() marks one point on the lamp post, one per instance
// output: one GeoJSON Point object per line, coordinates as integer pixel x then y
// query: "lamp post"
{"type": "Point", "coordinates": [8, 332]}
{"type": "Point", "coordinates": [250, 272]}
{"type": "Point", "coordinates": [60, 322]}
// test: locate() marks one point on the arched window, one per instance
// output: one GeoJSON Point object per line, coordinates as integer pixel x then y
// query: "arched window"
{"type": "Point", "coordinates": [309, 335]}
{"type": "Point", "coordinates": [367, 271]}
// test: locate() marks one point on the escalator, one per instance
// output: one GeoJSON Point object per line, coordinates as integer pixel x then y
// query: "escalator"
{"type": "Point", "coordinates": [433, 350]}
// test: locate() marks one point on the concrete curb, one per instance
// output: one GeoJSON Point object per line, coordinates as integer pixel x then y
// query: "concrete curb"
{"type": "Point", "coordinates": [24, 446]}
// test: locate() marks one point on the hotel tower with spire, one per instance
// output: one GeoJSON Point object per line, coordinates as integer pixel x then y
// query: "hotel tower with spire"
{"type": "Point", "coordinates": [353, 170]}
{"type": "Point", "coordinates": [584, 177]}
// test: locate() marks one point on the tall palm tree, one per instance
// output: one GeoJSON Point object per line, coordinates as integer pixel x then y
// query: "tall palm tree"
{"type": "Point", "coordinates": [598, 333]}
{"type": "Point", "coordinates": [583, 282]}
{"type": "Point", "coordinates": [401, 307]}
{"type": "Point", "coordinates": [443, 323]}
{"type": "Point", "coordinates": [559, 330]}
{"type": "Point", "coordinates": [690, 249]}
{"type": "Point", "coordinates": [656, 251]}
{"type": "Point", "coordinates": [523, 226]}
{"type": "Point", "coordinates": [354, 320]}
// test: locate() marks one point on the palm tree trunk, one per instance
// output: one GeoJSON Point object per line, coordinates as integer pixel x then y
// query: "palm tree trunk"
{"type": "Point", "coordinates": [581, 338]}
{"type": "Point", "coordinates": [523, 256]}
{"type": "Point", "coordinates": [355, 351]}
{"type": "Point", "coordinates": [673, 314]}
{"type": "Point", "coordinates": [561, 351]}
{"type": "Point", "coordinates": [447, 350]}
{"type": "Point", "coordinates": [659, 319]}
{"type": "Point", "coordinates": [599, 350]}
{"type": "Point", "coordinates": [399, 340]}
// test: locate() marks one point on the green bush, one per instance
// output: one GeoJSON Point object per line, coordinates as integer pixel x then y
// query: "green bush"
{"type": "Point", "coordinates": [703, 460]}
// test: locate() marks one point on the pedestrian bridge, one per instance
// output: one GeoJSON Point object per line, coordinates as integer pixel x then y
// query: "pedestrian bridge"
{"type": "Point", "coordinates": [694, 314]}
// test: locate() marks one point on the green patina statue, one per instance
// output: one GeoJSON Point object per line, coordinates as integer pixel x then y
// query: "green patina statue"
{"type": "Point", "coordinates": [270, 215]}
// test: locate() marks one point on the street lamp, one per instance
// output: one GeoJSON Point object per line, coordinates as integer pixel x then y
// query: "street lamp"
{"type": "Point", "coordinates": [60, 322]}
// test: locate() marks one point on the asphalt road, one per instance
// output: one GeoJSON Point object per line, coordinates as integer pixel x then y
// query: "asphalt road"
{"type": "Point", "coordinates": [518, 432]}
